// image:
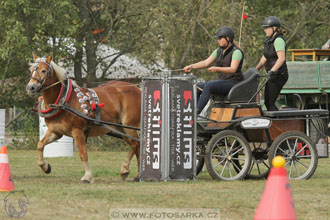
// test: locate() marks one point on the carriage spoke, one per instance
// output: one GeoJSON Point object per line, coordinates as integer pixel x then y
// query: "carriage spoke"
{"type": "Point", "coordinates": [304, 156]}
{"type": "Point", "coordinates": [295, 145]}
{"type": "Point", "coordinates": [218, 156]}
{"type": "Point", "coordinates": [236, 167]}
{"type": "Point", "coordinates": [251, 166]}
{"type": "Point", "coordinates": [287, 142]}
{"type": "Point", "coordinates": [301, 150]}
{"type": "Point", "coordinates": [223, 169]}
{"type": "Point", "coordinates": [281, 150]}
{"type": "Point", "coordinates": [229, 170]}
{"type": "Point", "coordinates": [218, 164]}
{"type": "Point", "coordinates": [259, 145]}
{"type": "Point", "coordinates": [266, 164]}
{"type": "Point", "coordinates": [296, 169]}
{"type": "Point", "coordinates": [221, 151]}
{"type": "Point", "coordinates": [302, 164]}
{"type": "Point", "coordinates": [258, 168]}
{"type": "Point", "coordinates": [290, 168]}
{"type": "Point", "coordinates": [238, 159]}
{"type": "Point", "coordinates": [233, 144]}
{"type": "Point", "coordinates": [226, 145]}
{"type": "Point", "coordinates": [237, 151]}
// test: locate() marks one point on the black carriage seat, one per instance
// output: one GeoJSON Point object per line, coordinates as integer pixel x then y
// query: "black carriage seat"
{"type": "Point", "coordinates": [242, 91]}
{"type": "Point", "coordinates": [323, 113]}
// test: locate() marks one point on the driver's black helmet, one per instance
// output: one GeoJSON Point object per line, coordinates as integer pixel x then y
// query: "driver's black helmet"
{"type": "Point", "coordinates": [225, 31]}
{"type": "Point", "coordinates": [271, 21]}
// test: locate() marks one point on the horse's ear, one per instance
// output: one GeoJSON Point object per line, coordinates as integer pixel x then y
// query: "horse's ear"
{"type": "Point", "coordinates": [49, 59]}
{"type": "Point", "coordinates": [35, 57]}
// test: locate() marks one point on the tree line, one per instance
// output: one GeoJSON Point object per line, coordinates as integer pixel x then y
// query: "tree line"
{"type": "Point", "coordinates": [173, 33]}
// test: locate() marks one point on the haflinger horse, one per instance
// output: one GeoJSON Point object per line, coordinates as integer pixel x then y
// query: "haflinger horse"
{"type": "Point", "coordinates": [121, 101]}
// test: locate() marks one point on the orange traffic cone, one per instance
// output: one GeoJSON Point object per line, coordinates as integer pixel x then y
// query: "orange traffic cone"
{"type": "Point", "coordinates": [276, 201]}
{"type": "Point", "coordinates": [6, 182]}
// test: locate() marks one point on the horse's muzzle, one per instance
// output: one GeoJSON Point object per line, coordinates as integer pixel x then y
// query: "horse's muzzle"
{"type": "Point", "coordinates": [32, 89]}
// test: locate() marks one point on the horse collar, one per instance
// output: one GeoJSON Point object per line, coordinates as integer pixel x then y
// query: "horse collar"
{"type": "Point", "coordinates": [63, 97]}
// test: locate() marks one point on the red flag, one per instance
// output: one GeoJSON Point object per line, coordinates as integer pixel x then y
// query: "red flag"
{"type": "Point", "coordinates": [98, 31]}
{"type": "Point", "coordinates": [244, 16]}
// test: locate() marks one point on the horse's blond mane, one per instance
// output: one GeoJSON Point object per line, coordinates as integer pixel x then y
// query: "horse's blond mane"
{"type": "Point", "coordinates": [60, 72]}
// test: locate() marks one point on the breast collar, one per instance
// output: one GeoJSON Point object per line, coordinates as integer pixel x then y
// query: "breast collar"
{"type": "Point", "coordinates": [63, 97]}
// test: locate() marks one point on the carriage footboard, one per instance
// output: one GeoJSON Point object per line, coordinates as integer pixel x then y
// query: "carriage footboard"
{"type": "Point", "coordinates": [321, 113]}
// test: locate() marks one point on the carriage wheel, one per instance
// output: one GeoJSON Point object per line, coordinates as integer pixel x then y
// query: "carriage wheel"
{"type": "Point", "coordinates": [228, 156]}
{"type": "Point", "coordinates": [299, 153]}
{"type": "Point", "coordinates": [259, 166]}
{"type": "Point", "coordinates": [200, 153]}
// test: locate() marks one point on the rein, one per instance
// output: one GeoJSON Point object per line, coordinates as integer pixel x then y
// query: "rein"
{"type": "Point", "coordinates": [100, 83]}
{"type": "Point", "coordinates": [54, 84]}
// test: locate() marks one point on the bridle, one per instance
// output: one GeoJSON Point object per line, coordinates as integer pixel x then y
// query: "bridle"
{"type": "Point", "coordinates": [48, 74]}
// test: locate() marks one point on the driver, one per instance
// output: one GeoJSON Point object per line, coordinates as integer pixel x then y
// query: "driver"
{"type": "Point", "coordinates": [228, 59]}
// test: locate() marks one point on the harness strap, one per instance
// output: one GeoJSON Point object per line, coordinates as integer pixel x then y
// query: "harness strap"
{"type": "Point", "coordinates": [61, 99]}
{"type": "Point", "coordinates": [95, 106]}
{"type": "Point", "coordinates": [104, 124]}
{"type": "Point", "coordinates": [67, 107]}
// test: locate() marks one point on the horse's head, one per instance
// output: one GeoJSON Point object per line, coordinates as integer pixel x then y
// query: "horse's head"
{"type": "Point", "coordinates": [42, 74]}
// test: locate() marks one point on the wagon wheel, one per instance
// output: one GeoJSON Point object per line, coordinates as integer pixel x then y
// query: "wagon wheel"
{"type": "Point", "coordinates": [228, 156]}
{"type": "Point", "coordinates": [200, 153]}
{"type": "Point", "coordinates": [299, 153]}
{"type": "Point", "coordinates": [259, 166]}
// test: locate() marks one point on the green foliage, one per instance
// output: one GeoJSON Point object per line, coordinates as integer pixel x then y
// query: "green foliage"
{"type": "Point", "coordinates": [177, 32]}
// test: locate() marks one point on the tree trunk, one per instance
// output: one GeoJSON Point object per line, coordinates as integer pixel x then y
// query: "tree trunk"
{"type": "Point", "coordinates": [78, 60]}
{"type": "Point", "coordinates": [90, 46]}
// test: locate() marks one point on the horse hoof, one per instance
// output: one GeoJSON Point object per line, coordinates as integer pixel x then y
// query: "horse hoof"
{"type": "Point", "coordinates": [124, 176]}
{"type": "Point", "coordinates": [136, 179]}
{"type": "Point", "coordinates": [49, 169]}
{"type": "Point", "coordinates": [85, 181]}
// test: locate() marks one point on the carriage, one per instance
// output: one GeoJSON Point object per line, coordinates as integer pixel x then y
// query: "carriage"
{"type": "Point", "coordinates": [237, 140]}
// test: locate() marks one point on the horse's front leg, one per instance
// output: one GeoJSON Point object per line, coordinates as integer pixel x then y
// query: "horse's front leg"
{"type": "Point", "coordinates": [49, 137]}
{"type": "Point", "coordinates": [80, 141]}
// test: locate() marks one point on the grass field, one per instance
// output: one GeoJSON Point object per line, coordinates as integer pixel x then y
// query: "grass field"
{"type": "Point", "coordinates": [60, 195]}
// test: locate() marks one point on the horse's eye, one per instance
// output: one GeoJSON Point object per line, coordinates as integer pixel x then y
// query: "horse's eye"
{"type": "Point", "coordinates": [43, 71]}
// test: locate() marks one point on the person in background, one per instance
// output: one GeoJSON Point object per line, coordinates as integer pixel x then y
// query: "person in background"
{"type": "Point", "coordinates": [274, 61]}
{"type": "Point", "coordinates": [326, 45]}
{"type": "Point", "coordinates": [228, 59]}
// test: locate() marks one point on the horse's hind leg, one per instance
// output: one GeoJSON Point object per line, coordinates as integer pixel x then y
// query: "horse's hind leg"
{"type": "Point", "coordinates": [49, 137]}
{"type": "Point", "coordinates": [80, 140]}
{"type": "Point", "coordinates": [135, 149]}
{"type": "Point", "coordinates": [124, 171]}
{"type": "Point", "coordinates": [137, 154]}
